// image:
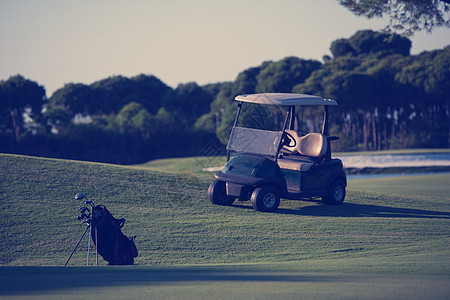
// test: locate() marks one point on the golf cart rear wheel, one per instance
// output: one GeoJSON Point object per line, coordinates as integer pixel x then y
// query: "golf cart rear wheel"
{"type": "Point", "coordinates": [217, 194]}
{"type": "Point", "coordinates": [266, 198]}
{"type": "Point", "coordinates": [336, 193]}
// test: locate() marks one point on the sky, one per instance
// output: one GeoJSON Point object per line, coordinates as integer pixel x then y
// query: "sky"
{"type": "Point", "coordinates": [55, 42]}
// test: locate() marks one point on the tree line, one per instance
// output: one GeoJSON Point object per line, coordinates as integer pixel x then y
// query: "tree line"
{"type": "Point", "coordinates": [388, 99]}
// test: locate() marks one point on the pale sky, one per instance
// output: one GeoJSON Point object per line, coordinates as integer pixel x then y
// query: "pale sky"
{"type": "Point", "coordinates": [54, 42]}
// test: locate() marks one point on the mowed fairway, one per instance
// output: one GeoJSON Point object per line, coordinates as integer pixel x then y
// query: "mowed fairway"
{"type": "Point", "coordinates": [383, 243]}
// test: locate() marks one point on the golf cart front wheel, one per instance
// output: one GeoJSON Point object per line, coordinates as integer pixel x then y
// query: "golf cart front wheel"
{"type": "Point", "coordinates": [266, 198]}
{"type": "Point", "coordinates": [336, 193]}
{"type": "Point", "coordinates": [217, 194]}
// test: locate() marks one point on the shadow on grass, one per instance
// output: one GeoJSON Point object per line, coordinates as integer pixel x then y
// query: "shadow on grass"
{"type": "Point", "coordinates": [359, 210]}
{"type": "Point", "coordinates": [365, 210]}
{"type": "Point", "coordinates": [35, 280]}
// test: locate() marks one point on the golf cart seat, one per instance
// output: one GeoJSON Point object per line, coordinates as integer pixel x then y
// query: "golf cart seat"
{"type": "Point", "coordinates": [304, 152]}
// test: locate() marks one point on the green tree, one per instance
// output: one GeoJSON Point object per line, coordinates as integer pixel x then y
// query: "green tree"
{"type": "Point", "coordinates": [226, 124]}
{"type": "Point", "coordinates": [222, 93]}
{"type": "Point", "coordinates": [133, 117]}
{"type": "Point", "coordinates": [341, 47]}
{"type": "Point", "coordinates": [428, 78]}
{"type": "Point", "coordinates": [282, 75]}
{"type": "Point", "coordinates": [187, 103]}
{"type": "Point", "coordinates": [66, 102]}
{"type": "Point", "coordinates": [111, 94]}
{"type": "Point", "coordinates": [371, 42]}
{"type": "Point", "coordinates": [247, 80]}
{"type": "Point", "coordinates": [406, 16]}
{"type": "Point", "coordinates": [387, 100]}
{"type": "Point", "coordinates": [104, 97]}
{"type": "Point", "coordinates": [149, 90]}
{"type": "Point", "coordinates": [21, 102]}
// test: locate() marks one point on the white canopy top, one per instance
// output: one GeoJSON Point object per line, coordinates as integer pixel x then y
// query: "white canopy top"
{"type": "Point", "coordinates": [285, 99]}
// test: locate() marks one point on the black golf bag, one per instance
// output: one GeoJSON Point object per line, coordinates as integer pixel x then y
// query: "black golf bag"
{"type": "Point", "coordinates": [115, 247]}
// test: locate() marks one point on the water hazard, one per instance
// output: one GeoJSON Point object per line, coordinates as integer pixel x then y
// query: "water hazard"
{"type": "Point", "coordinates": [394, 161]}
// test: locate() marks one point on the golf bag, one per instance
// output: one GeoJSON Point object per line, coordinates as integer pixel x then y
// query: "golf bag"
{"type": "Point", "coordinates": [115, 247]}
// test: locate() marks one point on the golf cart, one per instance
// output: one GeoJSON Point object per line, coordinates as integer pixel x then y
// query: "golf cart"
{"type": "Point", "coordinates": [266, 165]}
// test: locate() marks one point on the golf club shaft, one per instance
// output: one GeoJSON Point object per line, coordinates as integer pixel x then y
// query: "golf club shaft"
{"type": "Point", "coordinates": [89, 244]}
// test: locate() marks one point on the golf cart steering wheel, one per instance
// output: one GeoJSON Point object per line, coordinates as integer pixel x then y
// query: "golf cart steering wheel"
{"type": "Point", "coordinates": [290, 140]}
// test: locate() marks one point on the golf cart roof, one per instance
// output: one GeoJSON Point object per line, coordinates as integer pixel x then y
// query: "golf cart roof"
{"type": "Point", "coordinates": [284, 99]}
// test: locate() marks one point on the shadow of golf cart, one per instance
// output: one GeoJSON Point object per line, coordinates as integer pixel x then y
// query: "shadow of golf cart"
{"type": "Point", "coordinates": [266, 165]}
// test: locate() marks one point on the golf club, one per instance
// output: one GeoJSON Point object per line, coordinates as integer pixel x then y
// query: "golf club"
{"type": "Point", "coordinates": [88, 221]}
{"type": "Point", "coordinates": [81, 217]}
{"type": "Point", "coordinates": [81, 196]}
{"type": "Point", "coordinates": [84, 209]}
{"type": "Point", "coordinates": [89, 242]}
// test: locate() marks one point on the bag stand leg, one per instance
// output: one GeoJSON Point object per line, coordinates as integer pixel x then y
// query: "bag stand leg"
{"type": "Point", "coordinates": [77, 245]}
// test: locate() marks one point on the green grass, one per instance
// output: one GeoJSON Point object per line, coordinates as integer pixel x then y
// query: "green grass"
{"type": "Point", "coordinates": [257, 281]}
{"type": "Point", "coordinates": [184, 164]}
{"type": "Point", "coordinates": [425, 186]}
{"type": "Point", "coordinates": [388, 240]}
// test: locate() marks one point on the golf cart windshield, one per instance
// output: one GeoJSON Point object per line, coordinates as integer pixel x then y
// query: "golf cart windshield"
{"type": "Point", "coordinates": [268, 142]}
{"type": "Point", "coordinates": [255, 141]}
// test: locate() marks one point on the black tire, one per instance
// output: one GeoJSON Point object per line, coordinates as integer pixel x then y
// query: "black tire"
{"type": "Point", "coordinates": [217, 194]}
{"type": "Point", "coordinates": [266, 198]}
{"type": "Point", "coordinates": [336, 193]}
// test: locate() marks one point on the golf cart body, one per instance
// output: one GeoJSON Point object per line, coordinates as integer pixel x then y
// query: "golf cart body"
{"type": "Point", "coordinates": [266, 165]}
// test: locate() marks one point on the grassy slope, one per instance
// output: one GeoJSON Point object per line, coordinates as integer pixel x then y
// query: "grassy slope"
{"type": "Point", "coordinates": [184, 164]}
{"type": "Point", "coordinates": [397, 237]}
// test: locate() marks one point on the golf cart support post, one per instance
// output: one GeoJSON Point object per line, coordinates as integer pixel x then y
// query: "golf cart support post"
{"type": "Point", "coordinates": [265, 165]}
